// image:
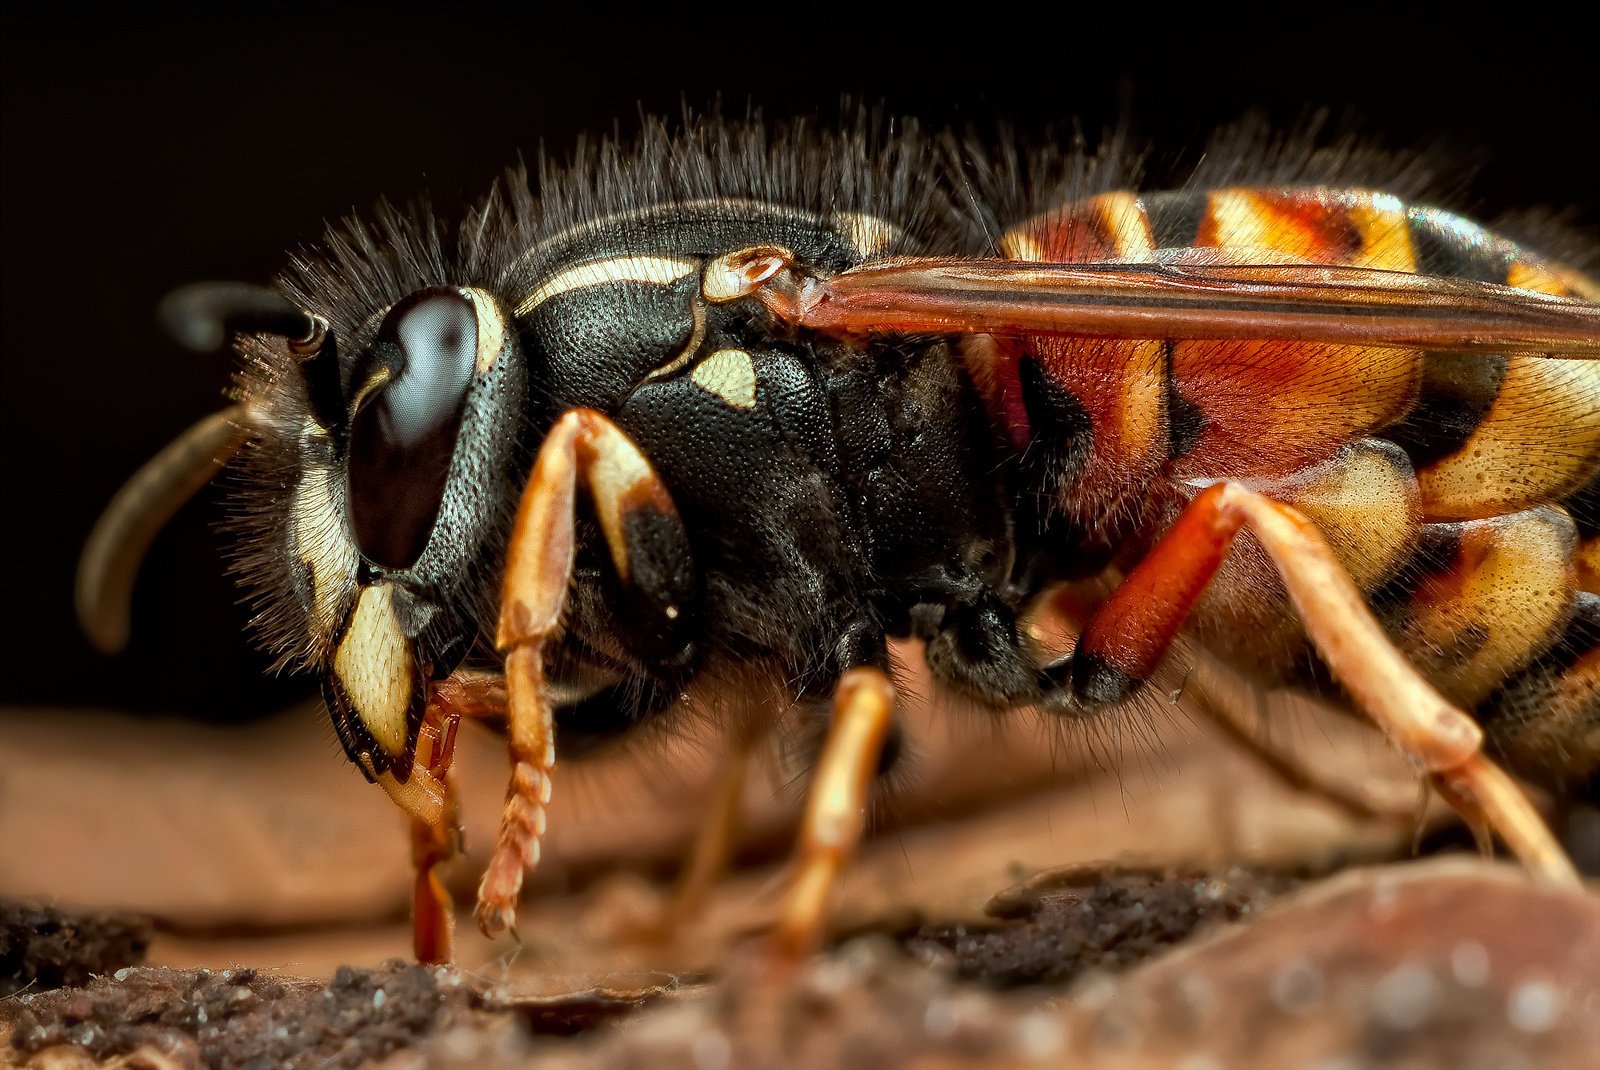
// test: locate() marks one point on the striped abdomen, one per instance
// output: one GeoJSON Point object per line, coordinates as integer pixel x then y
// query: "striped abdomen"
{"type": "Point", "coordinates": [1462, 491]}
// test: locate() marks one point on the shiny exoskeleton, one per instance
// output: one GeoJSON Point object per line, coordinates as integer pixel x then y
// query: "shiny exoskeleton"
{"type": "Point", "coordinates": [693, 411]}
{"type": "Point", "coordinates": [1462, 493]}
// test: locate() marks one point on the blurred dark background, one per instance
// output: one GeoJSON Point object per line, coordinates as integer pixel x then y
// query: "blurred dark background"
{"type": "Point", "coordinates": [149, 146]}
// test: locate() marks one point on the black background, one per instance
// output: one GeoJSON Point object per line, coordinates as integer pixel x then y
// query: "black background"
{"type": "Point", "coordinates": [149, 146]}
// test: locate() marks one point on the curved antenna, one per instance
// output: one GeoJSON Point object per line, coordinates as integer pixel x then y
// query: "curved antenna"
{"type": "Point", "coordinates": [117, 545]}
{"type": "Point", "coordinates": [204, 315]}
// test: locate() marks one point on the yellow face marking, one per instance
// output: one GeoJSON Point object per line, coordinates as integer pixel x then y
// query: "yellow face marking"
{"type": "Point", "coordinates": [657, 270]}
{"type": "Point", "coordinates": [731, 375]}
{"type": "Point", "coordinates": [491, 330]}
{"type": "Point", "coordinates": [320, 542]}
{"type": "Point", "coordinates": [868, 234]}
{"type": "Point", "coordinates": [374, 667]}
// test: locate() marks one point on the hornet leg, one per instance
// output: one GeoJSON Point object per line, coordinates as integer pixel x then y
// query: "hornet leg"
{"type": "Point", "coordinates": [863, 714]}
{"type": "Point", "coordinates": [436, 830]}
{"type": "Point", "coordinates": [650, 552]}
{"type": "Point", "coordinates": [1126, 639]}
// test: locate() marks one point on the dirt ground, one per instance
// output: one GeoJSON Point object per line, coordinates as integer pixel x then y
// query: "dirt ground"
{"type": "Point", "coordinates": [188, 897]}
{"type": "Point", "coordinates": [1446, 963]}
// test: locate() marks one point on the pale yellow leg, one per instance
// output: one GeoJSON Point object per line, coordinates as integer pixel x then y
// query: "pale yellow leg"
{"type": "Point", "coordinates": [836, 809]}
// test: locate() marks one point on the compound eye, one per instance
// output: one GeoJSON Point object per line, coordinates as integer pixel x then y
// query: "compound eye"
{"type": "Point", "coordinates": [438, 340]}
{"type": "Point", "coordinates": [403, 437]}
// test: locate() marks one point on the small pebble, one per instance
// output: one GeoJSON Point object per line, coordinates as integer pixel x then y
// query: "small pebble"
{"type": "Point", "coordinates": [1297, 988]}
{"type": "Point", "coordinates": [1534, 1006]}
{"type": "Point", "coordinates": [1404, 997]}
{"type": "Point", "coordinates": [1041, 1036]}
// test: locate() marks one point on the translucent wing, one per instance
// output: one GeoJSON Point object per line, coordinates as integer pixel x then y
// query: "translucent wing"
{"type": "Point", "coordinates": [1291, 302]}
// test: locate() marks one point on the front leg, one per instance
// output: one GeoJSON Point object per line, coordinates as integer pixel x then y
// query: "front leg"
{"type": "Point", "coordinates": [650, 553]}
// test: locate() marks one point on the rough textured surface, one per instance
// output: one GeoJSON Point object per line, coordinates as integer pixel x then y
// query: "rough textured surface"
{"type": "Point", "coordinates": [43, 948]}
{"type": "Point", "coordinates": [1110, 922]}
{"type": "Point", "coordinates": [1176, 954]}
{"type": "Point", "coordinates": [1447, 963]}
{"type": "Point", "coordinates": [242, 1019]}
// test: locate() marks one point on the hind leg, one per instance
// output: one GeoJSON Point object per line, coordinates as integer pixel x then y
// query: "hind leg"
{"type": "Point", "coordinates": [1128, 636]}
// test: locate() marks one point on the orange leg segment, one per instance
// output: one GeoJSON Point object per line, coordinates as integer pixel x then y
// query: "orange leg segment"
{"type": "Point", "coordinates": [1129, 635]}
{"type": "Point", "coordinates": [582, 448]}
{"type": "Point", "coordinates": [428, 797]}
{"type": "Point", "coordinates": [863, 711]}
{"type": "Point", "coordinates": [434, 839]}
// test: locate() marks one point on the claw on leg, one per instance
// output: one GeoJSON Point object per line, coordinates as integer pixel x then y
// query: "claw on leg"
{"type": "Point", "coordinates": [435, 834]}
{"type": "Point", "coordinates": [1130, 633]}
{"type": "Point", "coordinates": [531, 731]}
{"type": "Point", "coordinates": [836, 809]}
{"type": "Point", "coordinates": [1441, 739]}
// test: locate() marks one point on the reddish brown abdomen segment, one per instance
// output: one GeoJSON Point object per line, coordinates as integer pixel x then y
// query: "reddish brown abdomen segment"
{"type": "Point", "coordinates": [1501, 452]}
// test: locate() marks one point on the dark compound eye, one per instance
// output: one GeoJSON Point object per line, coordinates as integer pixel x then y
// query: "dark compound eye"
{"type": "Point", "coordinates": [402, 439]}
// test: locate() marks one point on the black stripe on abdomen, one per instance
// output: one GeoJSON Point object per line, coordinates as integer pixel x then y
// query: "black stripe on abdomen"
{"type": "Point", "coordinates": [1451, 247]}
{"type": "Point", "coordinates": [1455, 395]}
{"type": "Point", "coordinates": [1175, 216]}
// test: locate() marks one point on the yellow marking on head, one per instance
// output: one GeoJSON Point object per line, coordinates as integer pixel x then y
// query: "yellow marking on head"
{"type": "Point", "coordinates": [373, 663]}
{"type": "Point", "coordinates": [731, 375]}
{"type": "Point", "coordinates": [1128, 225]}
{"type": "Point", "coordinates": [1385, 228]}
{"type": "Point", "coordinates": [868, 234]}
{"type": "Point", "coordinates": [320, 541]}
{"type": "Point", "coordinates": [491, 329]}
{"type": "Point", "coordinates": [657, 270]}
